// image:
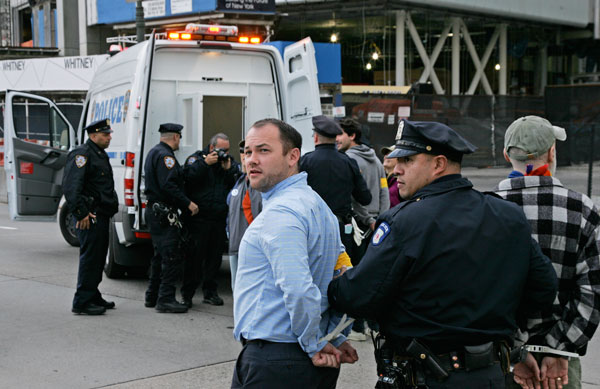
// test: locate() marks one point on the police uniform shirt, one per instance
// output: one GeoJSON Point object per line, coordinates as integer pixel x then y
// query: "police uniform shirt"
{"type": "Point", "coordinates": [450, 267]}
{"type": "Point", "coordinates": [336, 178]}
{"type": "Point", "coordinates": [164, 177]}
{"type": "Point", "coordinates": [88, 182]}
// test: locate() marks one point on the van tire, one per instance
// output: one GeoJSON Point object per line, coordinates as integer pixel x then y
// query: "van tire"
{"type": "Point", "coordinates": [67, 225]}
{"type": "Point", "coordinates": [111, 268]}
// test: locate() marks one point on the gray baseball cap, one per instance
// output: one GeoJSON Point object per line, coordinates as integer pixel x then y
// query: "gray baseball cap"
{"type": "Point", "coordinates": [532, 134]}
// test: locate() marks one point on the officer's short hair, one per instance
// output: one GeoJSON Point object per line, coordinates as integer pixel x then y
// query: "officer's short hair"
{"type": "Point", "coordinates": [351, 127]}
{"type": "Point", "coordinates": [290, 137]}
{"type": "Point", "coordinates": [215, 138]}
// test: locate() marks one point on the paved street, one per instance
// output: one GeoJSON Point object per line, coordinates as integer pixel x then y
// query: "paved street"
{"type": "Point", "coordinates": [43, 345]}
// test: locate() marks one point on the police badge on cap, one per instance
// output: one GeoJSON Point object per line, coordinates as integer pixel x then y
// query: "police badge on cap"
{"type": "Point", "coordinates": [102, 125]}
{"type": "Point", "coordinates": [429, 138]}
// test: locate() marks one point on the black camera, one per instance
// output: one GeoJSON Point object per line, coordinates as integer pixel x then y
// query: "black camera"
{"type": "Point", "coordinates": [222, 154]}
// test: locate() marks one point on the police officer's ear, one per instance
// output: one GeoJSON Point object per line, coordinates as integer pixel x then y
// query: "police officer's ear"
{"type": "Point", "coordinates": [440, 164]}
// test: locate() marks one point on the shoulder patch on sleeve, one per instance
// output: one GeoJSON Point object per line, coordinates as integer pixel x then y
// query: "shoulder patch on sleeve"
{"type": "Point", "coordinates": [169, 162]}
{"type": "Point", "coordinates": [191, 160]}
{"type": "Point", "coordinates": [80, 160]}
{"type": "Point", "coordinates": [380, 233]}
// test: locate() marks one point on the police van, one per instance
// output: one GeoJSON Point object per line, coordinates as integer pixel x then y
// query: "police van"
{"type": "Point", "coordinates": [202, 78]}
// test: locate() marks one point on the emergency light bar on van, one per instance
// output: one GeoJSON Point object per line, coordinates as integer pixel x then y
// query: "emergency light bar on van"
{"type": "Point", "coordinates": [211, 32]}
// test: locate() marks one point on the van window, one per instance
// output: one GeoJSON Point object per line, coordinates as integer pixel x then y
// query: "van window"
{"type": "Point", "coordinates": [37, 122]}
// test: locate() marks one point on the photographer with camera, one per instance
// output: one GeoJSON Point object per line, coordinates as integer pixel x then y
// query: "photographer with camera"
{"type": "Point", "coordinates": [209, 176]}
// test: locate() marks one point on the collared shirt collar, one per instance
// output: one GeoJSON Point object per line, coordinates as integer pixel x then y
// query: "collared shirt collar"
{"type": "Point", "coordinates": [326, 146]}
{"type": "Point", "coordinates": [444, 184]}
{"type": "Point", "coordinates": [291, 180]}
{"type": "Point", "coordinates": [528, 182]}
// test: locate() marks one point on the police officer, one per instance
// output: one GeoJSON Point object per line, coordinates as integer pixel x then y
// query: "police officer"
{"type": "Point", "coordinates": [90, 192]}
{"type": "Point", "coordinates": [164, 189]}
{"type": "Point", "coordinates": [334, 176]}
{"type": "Point", "coordinates": [451, 271]}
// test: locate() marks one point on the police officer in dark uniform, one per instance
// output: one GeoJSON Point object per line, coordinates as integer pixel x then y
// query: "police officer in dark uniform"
{"type": "Point", "coordinates": [450, 272]}
{"type": "Point", "coordinates": [335, 176]}
{"type": "Point", "coordinates": [90, 192]}
{"type": "Point", "coordinates": [164, 189]}
{"type": "Point", "coordinates": [209, 176]}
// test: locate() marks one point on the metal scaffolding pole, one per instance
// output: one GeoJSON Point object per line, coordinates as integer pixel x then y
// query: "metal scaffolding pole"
{"type": "Point", "coordinates": [400, 26]}
{"type": "Point", "coordinates": [503, 66]}
{"type": "Point", "coordinates": [456, 56]}
{"type": "Point", "coordinates": [543, 69]}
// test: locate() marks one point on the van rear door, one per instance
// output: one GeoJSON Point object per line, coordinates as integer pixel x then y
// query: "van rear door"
{"type": "Point", "coordinates": [139, 159]}
{"type": "Point", "coordinates": [37, 140]}
{"type": "Point", "coordinates": [302, 100]}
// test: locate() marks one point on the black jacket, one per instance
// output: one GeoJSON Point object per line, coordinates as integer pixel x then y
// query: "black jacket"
{"type": "Point", "coordinates": [336, 178]}
{"type": "Point", "coordinates": [88, 182]}
{"type": "Point", "coordinates": [164, 177]}
{"type": "Point", "coordinates": [450, 267]}
{"type": "Point", "coordinates": [208, 186]}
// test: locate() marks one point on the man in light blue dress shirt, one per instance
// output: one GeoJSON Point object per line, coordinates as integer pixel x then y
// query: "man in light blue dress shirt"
{"type": "Point", "coordinates": [286, 261]}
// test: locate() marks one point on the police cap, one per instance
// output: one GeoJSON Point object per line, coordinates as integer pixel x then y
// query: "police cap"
{"type": "Point", "coordinates": [325, 126]}
{"type": "Point", "coordinates": [429, 138]}
{"type": "Point", "coordinates": [170, 127]}
{"type": "Point", "coordinates": [102, 125]}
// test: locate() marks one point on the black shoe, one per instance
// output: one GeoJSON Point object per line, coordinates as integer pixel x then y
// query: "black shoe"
{"type": "Point", "coordinates": [90, 309]}
{"type": "Point", "coordinates": [106, 304]}
{"type": "Point", "coordinates": [150, 303]}
{"type": "Point", "coordinates": [212, 298]}
{"type": "Point", "coordinates": [187, 302]}
{"type": "Point", "coordinates": [171, 307]}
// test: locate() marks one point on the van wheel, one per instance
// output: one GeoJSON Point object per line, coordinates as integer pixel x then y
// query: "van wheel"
{"type": "Point", "coordinates": [111, 268]}
{"type": "Point", "coordinates": [66, 221]}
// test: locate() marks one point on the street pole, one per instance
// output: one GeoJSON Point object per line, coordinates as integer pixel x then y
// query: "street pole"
{"type": "Point", "coordinates": [140, 26]}
{"type": "Point", "coordinates": [591, 162]}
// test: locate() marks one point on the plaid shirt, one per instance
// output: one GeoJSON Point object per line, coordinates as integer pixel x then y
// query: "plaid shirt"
{"type": "Point", "coordinates": [566, 224]}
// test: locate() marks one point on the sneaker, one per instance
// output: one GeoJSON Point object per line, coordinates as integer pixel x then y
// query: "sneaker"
{"type": "Point", "coordinates": [188, 303]}
{"type": "Point", "coordinates": [357, 336]}
{"type": "Point", "coordinates": [212, 298]}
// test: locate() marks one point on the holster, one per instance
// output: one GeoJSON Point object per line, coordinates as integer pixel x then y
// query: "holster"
{"type": "Point", "coordinates": [426, 358]}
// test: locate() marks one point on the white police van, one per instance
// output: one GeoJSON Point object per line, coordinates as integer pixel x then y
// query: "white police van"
{"type": "Point", "coordinates": [201, 78]}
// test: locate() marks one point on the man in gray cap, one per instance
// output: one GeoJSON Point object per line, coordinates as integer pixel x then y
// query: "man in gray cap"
{"type": "Point", "coordinates": [448, 272]}
{"type": "Point", "coordinates": [334, 176]}
{"type": "Point", "coordinates": [567, 226]}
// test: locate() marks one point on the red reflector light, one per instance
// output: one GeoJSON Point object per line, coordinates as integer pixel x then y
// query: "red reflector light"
{"type": "Point", "coordinates": [186, 36]}
{"type": "Point", "coordinates": [244, 39]}
{"type": "Point", "coordinates": [129, 159]}
{"type": "Point", "coordinates": [173, 35]}
{"type": "Point", "coordinates": [255, 40]}
{"type": "Point", "coordinates": [143, 235]}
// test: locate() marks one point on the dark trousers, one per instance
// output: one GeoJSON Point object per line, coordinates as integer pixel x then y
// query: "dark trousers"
{"type": "Point", "coordinates": [347, 240]}
{"type": "Point", "coordinates": [167, 263]}
{"type": "Point", "coordinates": [489, 377]}
{"type": "Point", "coordinates": [208, 242]}
{"type": "Point", "coordinates": [92, 255]}
{"type": "Point", "coordinates": [267, 365]}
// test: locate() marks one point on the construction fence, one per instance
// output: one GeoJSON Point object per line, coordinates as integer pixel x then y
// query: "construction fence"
{"type": "Point", "coordinates": [483, 120]}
